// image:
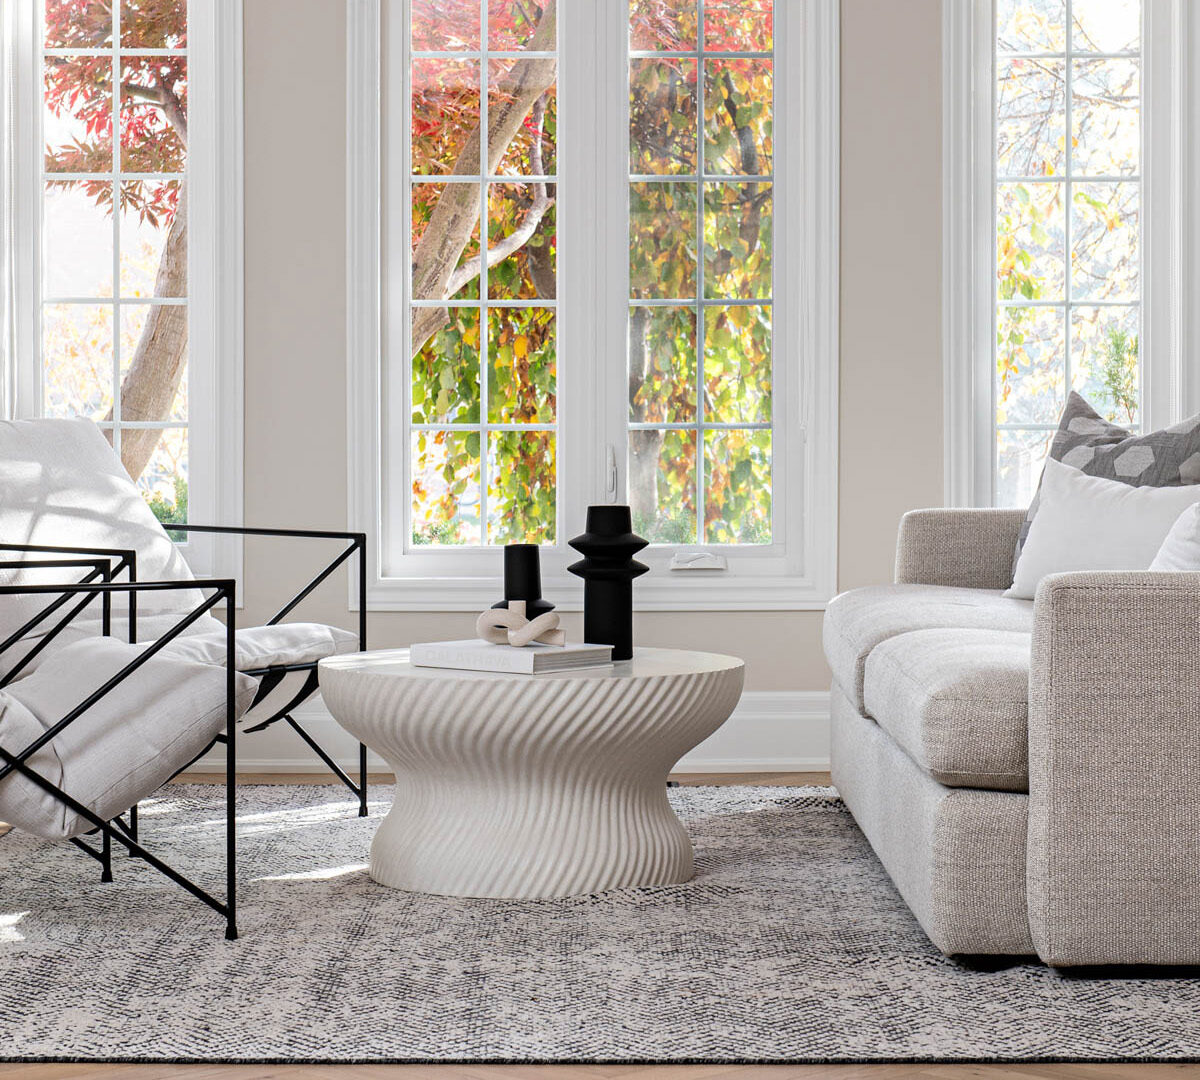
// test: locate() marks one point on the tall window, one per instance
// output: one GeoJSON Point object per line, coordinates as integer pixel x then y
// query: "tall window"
{"type": "Point", "coordinates": [589, 229]}
{"type": "Point", "coordinates": [700, 283]}
{"type": "Point", "coordinates": [1068, 213]}
{"type": "Point", "coordinates": [114, 246]}
{"type": "Point", "coordinates": [483, 380]}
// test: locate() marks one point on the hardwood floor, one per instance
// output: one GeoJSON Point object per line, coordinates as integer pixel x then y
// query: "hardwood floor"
{"type": "Point", "coordinates": [39, 1071]}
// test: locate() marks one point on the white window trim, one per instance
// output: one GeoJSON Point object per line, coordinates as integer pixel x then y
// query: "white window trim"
{"type": "Point", "coordinates": [1170, 232]}
{"type": "Point", "coordinates": [802, 576]}
{"type": "Point", "coordinates": [215, 266]}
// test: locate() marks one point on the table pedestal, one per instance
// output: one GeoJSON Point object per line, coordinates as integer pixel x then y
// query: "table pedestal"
{"type": "Point", "coordinates": [532, 786]}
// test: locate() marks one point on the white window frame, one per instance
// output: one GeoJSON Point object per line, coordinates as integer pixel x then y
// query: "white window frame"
{"type": "Point", "coordinates": [215, 263]}
{"type": "Point", "coordinates": [1170, 225]}
{"type": "Point", "coordinates": [795, 574]}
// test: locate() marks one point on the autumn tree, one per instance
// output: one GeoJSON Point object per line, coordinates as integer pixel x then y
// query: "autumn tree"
{"type": "Point", "coordinates": [736, 139]}
{"type": "Point", "coordinates": [151, 133]}
{"type": "Point", "coordinates": [519, 251]}
{"type": "Point", "coordinates": [1034, 152]}
{"type": "Point", "coordinates": [517, 261]}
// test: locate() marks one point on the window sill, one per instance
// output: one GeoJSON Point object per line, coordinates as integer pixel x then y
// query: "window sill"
{"type": "Point", "coordinates": [727, 591]}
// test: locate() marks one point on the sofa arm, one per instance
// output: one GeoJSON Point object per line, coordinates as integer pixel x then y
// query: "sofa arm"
{"type": "Point", "coordinates": [970, 548]}
{"type": "Point", "coordinates": [1114, 769]}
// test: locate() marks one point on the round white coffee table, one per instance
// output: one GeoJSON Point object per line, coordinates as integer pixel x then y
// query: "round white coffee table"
{"type": "Point", "coordinates": [531, 785]}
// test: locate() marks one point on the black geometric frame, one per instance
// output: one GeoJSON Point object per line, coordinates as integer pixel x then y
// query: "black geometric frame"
{"type": "Point", "coordinates": [271, 677]}
{"type": "Point", "coordinates": [102, 566]}
{"type": "Point", "coordinates": [221, 589]}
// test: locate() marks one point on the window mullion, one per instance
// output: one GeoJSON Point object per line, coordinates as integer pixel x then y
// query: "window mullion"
{"type": "Point", "coordinates": [485, 441]}
{"type": "Point", "coordinates": [591, 267]}
{"type": "Point", "coordinates": [115, 58]}
{"type": "Point", "coordinates": [701, 169]}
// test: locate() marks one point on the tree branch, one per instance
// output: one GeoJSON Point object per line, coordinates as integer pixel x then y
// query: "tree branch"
{"type": "Point", "coordinates": [456, 214]}
{"type": "Point", "coordinates": [520, 236]}
{"type": "Point", "coordinates": [166, 100]}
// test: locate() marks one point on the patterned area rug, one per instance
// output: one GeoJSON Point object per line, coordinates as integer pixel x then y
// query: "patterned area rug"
{"type": "Point", "coordinates": [790, 944]}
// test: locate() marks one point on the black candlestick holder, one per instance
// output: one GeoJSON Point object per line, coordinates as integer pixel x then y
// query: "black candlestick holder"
{"type": "Point", "coordinates": [608, 569]}
{"type": "Point", "coordinates": [523, 579]}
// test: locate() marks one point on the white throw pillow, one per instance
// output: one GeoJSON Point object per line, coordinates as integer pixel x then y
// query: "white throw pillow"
{"type": "Point", "coordinates": [1090, 523]}
{"type": "Point", "coordinates": [62, 484]}
{"type": "Point", "coordinates": [265, 646]}
{"type": "Point", "coordinates": [1181, 549]}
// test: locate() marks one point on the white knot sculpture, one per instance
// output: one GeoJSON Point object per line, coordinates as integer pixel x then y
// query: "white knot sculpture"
{"type": "Point", "coordinates": [508, 626]}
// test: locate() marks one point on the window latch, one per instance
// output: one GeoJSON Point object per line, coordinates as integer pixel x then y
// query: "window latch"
{"type": "Point", "coordinates": [698, 560]}
{"type": "Point", "coordinates": [610, 475]}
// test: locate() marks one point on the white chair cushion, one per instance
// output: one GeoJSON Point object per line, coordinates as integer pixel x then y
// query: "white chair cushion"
{"type": "Point", "coordinates": [61, 483]}
{"type": "Point", "coordinates": [121, 749]}
{"type": "Point", "coordinates": [266, 646]}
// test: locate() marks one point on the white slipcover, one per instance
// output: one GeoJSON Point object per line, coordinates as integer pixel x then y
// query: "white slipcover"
{"type": "Point", "coordinates": [62, 484]}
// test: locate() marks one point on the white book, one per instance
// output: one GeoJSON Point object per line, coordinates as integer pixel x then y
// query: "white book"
{"type": "Point", "coordinates": [475, 654]}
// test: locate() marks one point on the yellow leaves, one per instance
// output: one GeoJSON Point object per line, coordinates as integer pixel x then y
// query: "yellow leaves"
{"type": "Point", "coordinates": [740, 316]}
{"type": "Point", "coordinates": [521, 346]}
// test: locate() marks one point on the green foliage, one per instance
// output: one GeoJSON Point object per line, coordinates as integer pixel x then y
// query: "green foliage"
{"type": "Point", "coordinates": [172, 513]}
{"type": "Point", "coordinates": [1119, 371]}
{"type": "Point", "coordinates": [738, 499]}
{"type": "Point", "coordinates": [671, 526]}
{"type": "Point", "coordinates": [436, 532]}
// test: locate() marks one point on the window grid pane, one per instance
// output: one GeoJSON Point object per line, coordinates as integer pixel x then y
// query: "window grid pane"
{"type": "Point", "coordinates": [1068, 223]}
{"type": "Point", "coordinates": [114, 274]}
{"type": "Point", "coordinates": [482, 372]}
{"type": "Point", "coordinates": [700, 340]}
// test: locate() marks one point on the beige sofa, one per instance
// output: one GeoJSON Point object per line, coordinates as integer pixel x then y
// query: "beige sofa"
{"type": "Point", "coordinates": [1028, 772]}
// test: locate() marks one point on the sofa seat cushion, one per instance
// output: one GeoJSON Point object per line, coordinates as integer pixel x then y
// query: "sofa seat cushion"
{"type": "Point", "coordinates": [857, 621]}
{"type": "Point", "coordinates": [957, 701]}
{"type": "Point", "coordinates": [124, 747]}
{"type": "Point", "coordinates": [266, 646]}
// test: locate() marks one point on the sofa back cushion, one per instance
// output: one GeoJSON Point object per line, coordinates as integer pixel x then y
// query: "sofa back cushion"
{"type": "Point", "coordinates": [62, 484]}
{"type": "Point", "coordinates": [1089, 523]}
{"type": "Point", "coordinates": [1095, 446]}
{"type": "Point", "coordinates": [1180, 551]}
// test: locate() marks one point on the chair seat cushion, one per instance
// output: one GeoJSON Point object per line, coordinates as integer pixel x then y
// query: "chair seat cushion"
{"type": "Point", "coordinates": [124, 747]}
{"type": "Point", "coordinates": [266, 646]}
{"type": "Point", "coordinates": [957, 701]}
{"type": "Point", "coordinates": [857, 621]}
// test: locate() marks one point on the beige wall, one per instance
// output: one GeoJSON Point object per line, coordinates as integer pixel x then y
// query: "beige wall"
{"type": "Point", "coordinates": [890, 318]}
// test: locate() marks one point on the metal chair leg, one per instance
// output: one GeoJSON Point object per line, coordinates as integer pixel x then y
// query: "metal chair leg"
{"type": "Point", "coordinates": [362, 780]}
{"type": "Point", "coordinates": [231, 932]}
{"type": "Point", "coordinates": [106, 855]}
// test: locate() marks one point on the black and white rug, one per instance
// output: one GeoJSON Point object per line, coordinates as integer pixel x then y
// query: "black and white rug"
{"type": "Point", "coordinates": [790, 944]}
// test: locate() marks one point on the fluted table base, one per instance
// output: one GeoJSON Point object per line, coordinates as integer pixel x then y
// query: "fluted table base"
{"type": "Point", "coordinates": [531, 786]}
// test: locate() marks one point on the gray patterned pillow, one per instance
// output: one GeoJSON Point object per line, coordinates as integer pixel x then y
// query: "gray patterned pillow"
{"type": "Point", "coordinates": [1084, 439]}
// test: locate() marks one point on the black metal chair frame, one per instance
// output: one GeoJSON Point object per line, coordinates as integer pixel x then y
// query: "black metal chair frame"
{"type": "Point", "coordinates": [270, 677]}
{"type": "Point", "coordinates": [103, 565]}
{"type": "Point", "coordinates": [125, 832]}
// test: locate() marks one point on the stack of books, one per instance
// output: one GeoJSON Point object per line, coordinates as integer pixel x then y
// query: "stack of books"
{"type": "Point", "coordinates": [477, 655]}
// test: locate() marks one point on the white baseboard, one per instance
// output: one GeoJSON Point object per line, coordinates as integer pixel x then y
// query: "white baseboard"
{"type": "Point", "coordinates": [769, 731]}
